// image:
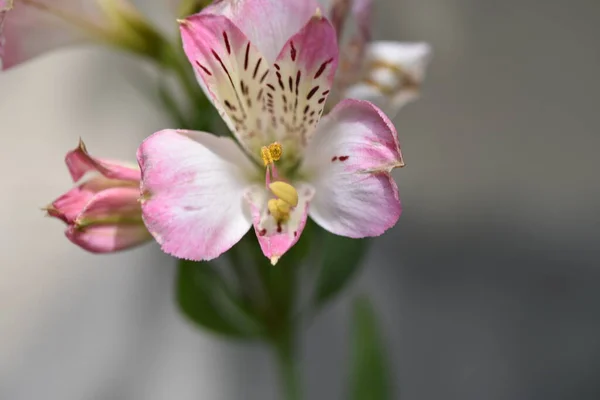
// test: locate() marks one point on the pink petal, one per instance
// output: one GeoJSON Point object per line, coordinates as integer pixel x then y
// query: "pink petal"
{"type": "Point", "coordinates": [119, 205]}
{"type": "Point", "coordinates": [68, 206]}
{"type": "Point", "coordinates": [304, 72]}
{"type": "Point", "coordinates": [30, 30]}
{"type": "Point", "coordinates": [110, 221]}
{"type": "Point", "coordinates": [362, 11]}
{"type": "Point", "coordinates": [267, 23]}
{"type": "Point", "coordinates": [232, 72]}
{"type": "Point", "coordinates": [192, 187]}
{"type": "Point", "coordinates": [393, 74]}
{"type": "Point", "coordinates": [276, 239]}
{"type": "Point", "coordinates": [348, 161]}
{"type": "Point", "coordinates": [79, 162]}
{"type": "Point", "coordinates": [108, 238]}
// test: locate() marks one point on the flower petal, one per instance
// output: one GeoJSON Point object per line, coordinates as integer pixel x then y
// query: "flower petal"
{"type": "Point", "coordinates": [114, 206]}
{"type": "Point", "coordinates": [276, 239]}
{"type": "Point", "coordinates": [232, 72]}
{"type": "Point", "coordinates": [31, 29]}
{"type": "Point", "coordinates": [108, 238]}
{"type": "Point", "coordinates": [192, 192]}
{"type": "Point", "coordinates": [267, 23]}
{"type": "Point", "coordinates": [79, 162]}
{"type": "Point", "coordinates": [393, 74]}
{"type": "Point", "coordinates": [302, 79]}
{"type": "Point", "coordinates": [68, 206]}
{"type": "Point", "coordinates": [348, 161]}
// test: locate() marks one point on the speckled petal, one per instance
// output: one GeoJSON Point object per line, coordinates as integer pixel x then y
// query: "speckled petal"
{"type": "Point", "coordinates": [348, 162]}
{"type": "Point", "coordinates": [276, 239]}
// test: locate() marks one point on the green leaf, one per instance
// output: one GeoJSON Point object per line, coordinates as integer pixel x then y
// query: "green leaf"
{"type": "Point", "coordinates": [369, 373]}
{"type": "Point", "coordinates": [341, 259]}
{"type": "Point", "coordinates": [203, 296]}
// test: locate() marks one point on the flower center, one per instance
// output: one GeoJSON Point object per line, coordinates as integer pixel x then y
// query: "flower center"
{"type": "Point", "coordinates": [286, 196]}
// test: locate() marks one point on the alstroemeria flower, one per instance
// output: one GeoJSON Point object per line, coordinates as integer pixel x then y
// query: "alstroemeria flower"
{"type": "Point", "coordinates": [102, 212]}
{"type": "Point", "coordinates": [387, 73]}
{"type": "Point", "coordinates": [268, 66]}
{"type": "Point", "coordinates": [34, 27]}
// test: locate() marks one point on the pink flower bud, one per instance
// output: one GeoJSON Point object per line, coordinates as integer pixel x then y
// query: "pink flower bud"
{"type": "Point", "coordinates": [102, 212]}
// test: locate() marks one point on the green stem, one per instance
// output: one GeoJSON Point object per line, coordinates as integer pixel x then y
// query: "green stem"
{"type": "Point", "coordinates": [288, 365]}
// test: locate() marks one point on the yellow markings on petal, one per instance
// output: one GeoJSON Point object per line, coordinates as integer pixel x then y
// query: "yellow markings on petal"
{"type": "Point", "coordinates": [318, 13]}
{"type": "Point", "coordinates": [285, 192]}
{"type": "Point", "coordinates": [271, 153]}
{"type": "Point", "coordinates": [274, 260]}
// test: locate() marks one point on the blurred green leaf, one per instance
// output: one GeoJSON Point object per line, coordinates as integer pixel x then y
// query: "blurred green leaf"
{"type": "Point", "coordinates": [204, 298]}
{"type": "Point", "coordinates": [341, 259]}
{"type": "Point", "coordinates": [170, 104]}
{"type": "Point", "coordinates": [369, 373]}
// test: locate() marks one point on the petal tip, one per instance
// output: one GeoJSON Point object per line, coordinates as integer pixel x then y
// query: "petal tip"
{"type": "Point", "coordinates": [274, 260]}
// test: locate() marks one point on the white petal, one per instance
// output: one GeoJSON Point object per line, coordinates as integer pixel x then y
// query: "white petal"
{"type": "Point", "coordinates": [348, 161]}
{"type": "Point", "coordinates": [392, 75]}
{"type": "Point", "coordinates": [193, 186]}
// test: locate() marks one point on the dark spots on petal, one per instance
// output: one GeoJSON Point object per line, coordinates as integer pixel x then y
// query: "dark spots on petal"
{"type": "Point", "coordinates": [295, 233]}
{"type": "Point", "coordinates": [321, 100]}
{"type": "Point", "coordinates": [344, 158]}
{"type": "Point", "coordinates": [203, 68]}
{"type": "Point", "coordinates": [262, 232]}
{"type": "Point", "coordinates": [297, 81]}
{"type": "Point", "coordinates": [277, 67]}
{"type": "Point", "coordinates": [260, 93]}
{"type": "Point", "coordinates": [264, 76]}
{"type": "Point", "coordinates": [291, 84]}
{"type": "Point", "coordinates": [256, 68]}
{"type": "Point", "coordinates": [270, 86]}
{"type": "Point", "coordinates": [312, 92]}
{"type": "Point", "coordinates": [325, 93]}
{"type": "Point", "coordinates": [279, 228]}
{"type": "Point", "coordinates": [322, 68]}
{"type": "Point", "coordinates": [229, 105]}
{"type": "Point", "coordinates": [246, 56]}
{"type": "Point", "coordinates": [333, 158]}
{"type": "Point", "coordinates": [292, 51]}
{"type": "Point", "coordinates": [312, 113]}
{"type": "Point", "coordinates": [227, 42]}
{"type": "Point", "coordinates": [279, 80]}
{"type": "Point", "coordinates": [244, 87]}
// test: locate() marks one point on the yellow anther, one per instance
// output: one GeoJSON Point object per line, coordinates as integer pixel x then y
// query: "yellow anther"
{"type": "Point", "coordinates": [285, 192]}
{"type": "Point", "coordinates": [274, 210]}
{"type": "Point", "coordinates": [279, 209]}
{"type": "Point", "coordinates": [271, 153]}
{"type": "Point", "coordinates": [283, 207]}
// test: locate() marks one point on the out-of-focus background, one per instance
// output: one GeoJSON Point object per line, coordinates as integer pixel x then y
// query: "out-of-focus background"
{"type": "Point", "coordinates": [488, 288]}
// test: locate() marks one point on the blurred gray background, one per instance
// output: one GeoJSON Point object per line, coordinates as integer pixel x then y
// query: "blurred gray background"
{"type": "Point", "coordinates": [488, 288]}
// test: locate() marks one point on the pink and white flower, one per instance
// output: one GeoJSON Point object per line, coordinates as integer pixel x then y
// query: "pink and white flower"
{"type": "Point", "coordinates": [268, 66]}
{"type": "Point", "coordinates": [34, 27]}
{"type": "Point", "coordinates": [387, 73]}
{"type": "Point", "coordinates": [102, 212]}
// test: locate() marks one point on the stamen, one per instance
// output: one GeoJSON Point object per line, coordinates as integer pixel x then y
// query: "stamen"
{"type": "Point", "coordinates": [271, 153]}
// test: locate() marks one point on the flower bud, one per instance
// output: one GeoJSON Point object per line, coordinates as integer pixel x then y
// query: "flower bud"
{"type": "Point", "coordinates": [102, 212]}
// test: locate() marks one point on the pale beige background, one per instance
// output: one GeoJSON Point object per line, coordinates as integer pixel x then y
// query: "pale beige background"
{"type": "Point", "coordinates": [487, 288]}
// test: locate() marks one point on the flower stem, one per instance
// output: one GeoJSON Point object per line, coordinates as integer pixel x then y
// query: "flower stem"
{"type": "Point", "coordinates": [289, 369]}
